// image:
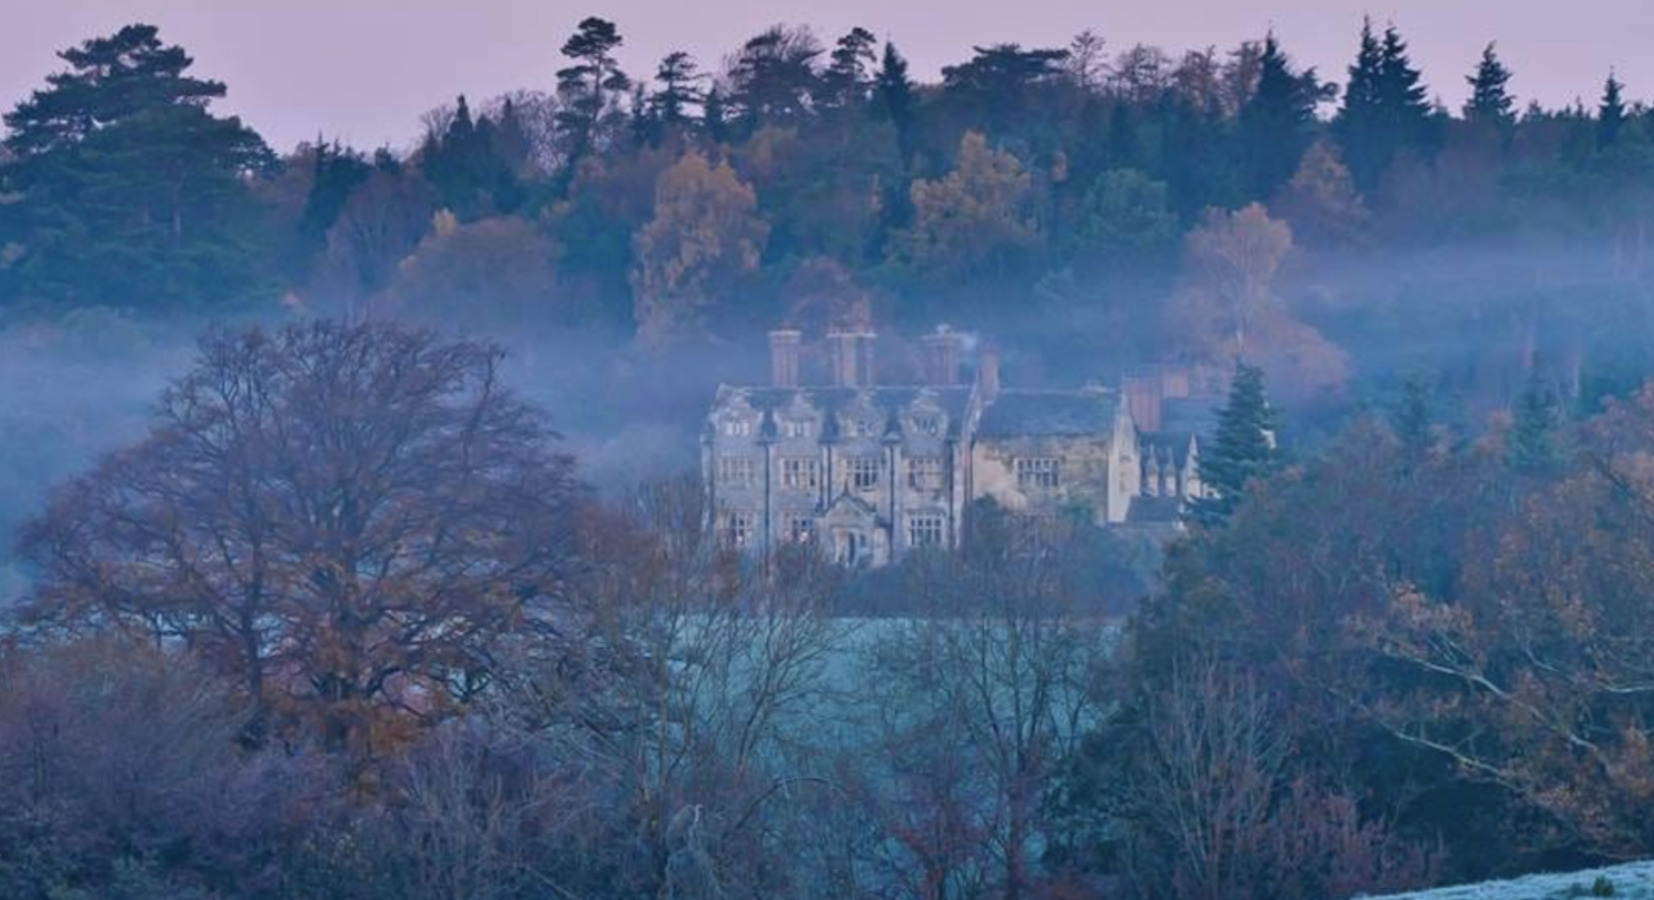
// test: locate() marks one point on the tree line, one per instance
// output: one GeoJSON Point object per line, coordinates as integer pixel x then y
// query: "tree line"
{"type": "Point", "coordinates": [1193, 207]}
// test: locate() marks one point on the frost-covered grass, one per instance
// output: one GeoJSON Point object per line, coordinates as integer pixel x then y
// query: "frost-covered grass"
{"type": "Point", "coordinates": [1629, 882]}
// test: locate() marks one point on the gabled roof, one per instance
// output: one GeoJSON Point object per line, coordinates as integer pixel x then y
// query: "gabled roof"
{"type": "Point", "coordinates": [1167, 446]}
{"type": "Point", "coordinates": [1050, 414]}
{"type": "Point", "coordinates": [831, 401]}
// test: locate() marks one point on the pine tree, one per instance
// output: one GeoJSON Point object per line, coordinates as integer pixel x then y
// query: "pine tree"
{"type": "Point", "coordinates": [893, 98]}
{"type": "Point", "coordinates": [122, 186]}
{"type": "Point", "coordinates": [679, 79]}
{"type": "Point", "coordinates": [714, 118]}
{"type": "Point", "coordinates": [1242, 450]}
{"type": "Point", "coordinates": [1276, 122]}
{"type": "Point", "coordinates": [849, 74]}
{"type": "Point", "coordinates": [1490, 99]}
{"type": "Point", "coordinates": [1611, 113]}
{"type": "Point", "coordinates": [589, 87]}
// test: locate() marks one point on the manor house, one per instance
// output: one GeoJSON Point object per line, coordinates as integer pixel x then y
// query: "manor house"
{"type": "Point", "coordinates": [869, 472]}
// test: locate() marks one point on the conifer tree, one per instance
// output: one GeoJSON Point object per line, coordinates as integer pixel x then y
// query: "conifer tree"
{"type": "Point", "coordinates": [1532, 445]}
{"type": "Point", "coordinates": [1243, 448]}
{"type": "Point", "coordinates": [714, 116]}
{"type": "Point", "coordinates": [590, 86]}
{"type": "Point", "coordinates": [893, 98]}
{"type": "Point", "coordinates": [1386, 107]}
{"type": "Point", "coordinates": [121, 185]}
{"type": "Point", "coordinates": [1276, 123]}
{"type": "Point", "coordinates": [679, 79]}
{"type": "Point", "coordinates": [849, 74]}
{"type": "Point", "coordinates": [1490, 99]}
{"type": "Point", "coordinates": [1611, 113]}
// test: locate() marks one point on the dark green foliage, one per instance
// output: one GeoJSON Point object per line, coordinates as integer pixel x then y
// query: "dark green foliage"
{"type": "Point", "coordinates": [1243, 449]}
{"type": "Point", "coordinates": [773, 79]}
{"type": "Point", "coordinates": [1490, 99]}
{"type": "Point", "coordinates": [1386, 109]}
{"type": "Point", "coordinates": [467, 168]}
{"type": "Point", "coordinates": [893, 98]}
{"type": "Point", "coordinates": [120, 175]}
{"type": "Point", "coordinates": [849, 76]}
{"type": "Point", "coordinates": [1533, 444]}
{"type": "Point", "coordinates": [1611, 113]}
{"type": "Point", "coordinates": [673, 104]}
{"type": "Point", "coordinates": [591, 85]}
{"type": "Point", "coordinates": [1276, 124]}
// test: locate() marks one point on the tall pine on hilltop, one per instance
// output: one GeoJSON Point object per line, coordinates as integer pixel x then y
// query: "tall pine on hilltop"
{"type": "Point", "coordinates": [1242, 449]}
{"type": "Point", "coordinates": [590, 87]}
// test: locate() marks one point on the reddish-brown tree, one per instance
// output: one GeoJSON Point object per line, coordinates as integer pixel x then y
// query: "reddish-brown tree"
{"type": "Point", "coordinates": [350, 520]}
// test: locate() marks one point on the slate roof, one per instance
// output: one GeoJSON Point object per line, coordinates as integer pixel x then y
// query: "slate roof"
{"type": "Point", "coordinates": [1155, 511]}
{"type": "Point", "coordinates": [953, 401]}
{"type": "Point", "coordinates": [1188, 415]}
{"type": "Point", "coordinates": [1164, 446]}
{"type": "Point", "coordinates": [1050, 414]}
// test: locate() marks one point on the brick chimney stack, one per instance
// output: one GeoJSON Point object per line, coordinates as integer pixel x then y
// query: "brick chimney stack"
{"type": "Point", "coordinates": [850, 357]}
{"type": "Point", "coordinates": [784, 346]}
{"type": "Point", "coordinates": [941, 355]}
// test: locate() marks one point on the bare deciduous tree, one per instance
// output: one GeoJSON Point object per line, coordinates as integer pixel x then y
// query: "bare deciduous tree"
{"type": "Point", "coordinates": [347, 519]}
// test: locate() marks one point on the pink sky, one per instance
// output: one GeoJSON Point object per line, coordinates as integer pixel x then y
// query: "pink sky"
{"type": "Point", "coordinates": [364, 70]}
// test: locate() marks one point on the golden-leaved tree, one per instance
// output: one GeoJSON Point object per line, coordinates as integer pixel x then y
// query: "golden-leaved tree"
{"type": "Point", "coordinates": [975, 220]}
{"type": "Point", "coordinates": [705, 235]}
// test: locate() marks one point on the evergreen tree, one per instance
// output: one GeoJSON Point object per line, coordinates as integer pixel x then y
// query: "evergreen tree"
{"type": "Point", "coordinates": [714, 117]}
{"type": "Point", "coordinates": [1611, 113]}
{"type": "Point", "coordinates": [336, 171]}
{"type": "Point", "coordinates": [1360, 120]}
{"type": "Point", "coordinates": [679, 78]}
{"type": "Point", "coordinates": [1276, 124]}
{"type": "Point", "coordinates": [646, 131]}
{"type": "Point", "coordinates": [122, 187]}
{"type": "Point", "coordinates": [849, 74]}
{"type": "Point", "coordinates": [773, 78]}
{"type": "Point", "coordinates": [1386, 108]}
{"type": "Point", "coordinates": [466, 167]}
{"type": "Point", "coordinates": [1532, 445]}
{"type": "Point", "coordinates": [1243, 448]}
{"type": "Point", "coordinates": [893, 96]}
{"type": "Point", "coordinates": [1490, 99]}
{"type": "Point", "coordinates": [590, 86]}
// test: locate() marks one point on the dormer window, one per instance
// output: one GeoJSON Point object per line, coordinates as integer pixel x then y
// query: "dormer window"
{"type": "Point", "coordinates": [796, 428]}
{"type": "Point", "coordinates": [864, 428]}
{"type": "Point", "coordinates": [739, 428]}
{"type": "Point", "coordinates": [928, 424]}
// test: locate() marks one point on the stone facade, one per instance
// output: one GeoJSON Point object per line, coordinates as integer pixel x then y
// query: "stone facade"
{"type": "Point", "coordinates": [869, 472]}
